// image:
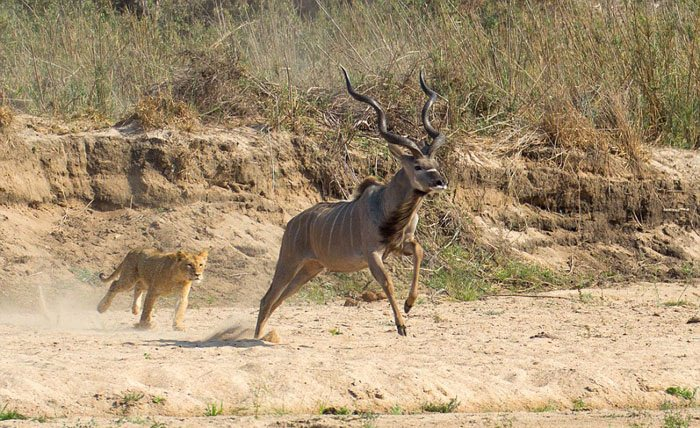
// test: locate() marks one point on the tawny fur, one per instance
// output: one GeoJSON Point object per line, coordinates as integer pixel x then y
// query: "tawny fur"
{"type": "Point", "coordinates": [157, 274]}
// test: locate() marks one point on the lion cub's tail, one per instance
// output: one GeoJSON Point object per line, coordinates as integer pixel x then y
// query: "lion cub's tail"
{"type": "Point", "coordinates": [117, 272]}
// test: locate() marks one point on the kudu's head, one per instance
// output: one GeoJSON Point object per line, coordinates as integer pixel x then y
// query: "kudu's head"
{"type": "Point", "coordinates": [420, 166]}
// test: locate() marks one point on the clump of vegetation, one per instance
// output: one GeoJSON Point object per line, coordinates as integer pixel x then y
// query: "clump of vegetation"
{"type": "Point", "coordinates": [154, 112]}
{"type": "Point", "coordinates": [549, 407]}
{"type": "Point", "coordinates": [579, 405]}
{"type": "Point", "coordinates": [676, 420]}
{"type": "Point", "coordinates": [681, 392]}
{"type": "Point", "coordinates": [129, 399]}
{"type": "Point", "coordinates": [6, 117]}
{"type": "Point", "coordinates": [157, 399]}
{"type": "Point", "coordinates": [9, 414]}
{"type": "Point", "coordinates": [469, 274]}
{"type": "Point", "coordinates": [332, 410]}
{"type": "Point", "coordinates": [213, 409]}
{"type": "Point", "coordinates": [445, 407]}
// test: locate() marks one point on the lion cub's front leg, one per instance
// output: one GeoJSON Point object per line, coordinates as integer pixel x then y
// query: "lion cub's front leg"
{"type": "Point", "coordinates": [148, 305]}
{"type": "Point", "coordinates": [181, 307]}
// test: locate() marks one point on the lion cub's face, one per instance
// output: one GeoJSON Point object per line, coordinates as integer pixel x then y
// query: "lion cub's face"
{"type": "Point", "coordinates": [193, 264]}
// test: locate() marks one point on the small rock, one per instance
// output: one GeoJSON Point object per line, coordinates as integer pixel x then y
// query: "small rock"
{"type": "Point", "coordinates": [693, 320]}
{"type": "Point", "coordinates": [271, 337]}
{"type": "Point", "coordinates": [368, 296]}
{"type": "Point", "coordinates": [542, 335]}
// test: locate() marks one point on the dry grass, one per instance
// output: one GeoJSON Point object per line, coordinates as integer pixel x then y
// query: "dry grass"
{"type": "Point", "coordinates": [6, 117]}
{"type": "Point", "coordinates": [159, 111]}
{"type": "Point", "coordinates": [614, 73]}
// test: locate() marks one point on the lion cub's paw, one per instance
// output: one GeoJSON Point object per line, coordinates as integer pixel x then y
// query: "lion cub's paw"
{"type": "Point", "coordinates": [143, 326]}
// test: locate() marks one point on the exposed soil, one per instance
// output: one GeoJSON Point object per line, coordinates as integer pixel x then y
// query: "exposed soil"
{"type": "Point", "coordinates": [615, 349]}
{"type": "Point", "coordinates": [74, 201]}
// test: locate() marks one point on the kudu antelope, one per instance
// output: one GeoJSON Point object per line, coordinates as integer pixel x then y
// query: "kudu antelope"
{"type": "Point", "coordinates": [349, 236]}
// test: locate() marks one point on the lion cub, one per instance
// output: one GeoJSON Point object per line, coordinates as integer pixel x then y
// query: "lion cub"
{"type": "Point", "coordinates": [157, 274]}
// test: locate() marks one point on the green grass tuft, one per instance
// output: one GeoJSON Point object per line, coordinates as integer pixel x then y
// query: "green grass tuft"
{"type": "Point", "coordinates": [9, 414]}
{"type": "Point", "coordinates": [446, 407]}
{"type": "Point", "coordinates": [213, 409]}
{"type": "Point", "coordinates": [681, 392]}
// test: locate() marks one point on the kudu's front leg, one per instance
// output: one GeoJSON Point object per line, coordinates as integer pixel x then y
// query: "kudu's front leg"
{"type": "Point", "coordinates": [376, 266]}
{"type": "Point", "coordinates": [413, 248]}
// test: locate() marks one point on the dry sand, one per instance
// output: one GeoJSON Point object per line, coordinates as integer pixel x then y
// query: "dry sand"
{"type": "Point", "coordinates": [614, 351]}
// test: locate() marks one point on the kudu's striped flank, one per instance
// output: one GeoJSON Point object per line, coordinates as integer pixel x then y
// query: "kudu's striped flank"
{"type": "Point", "coordinates": [351, 235]}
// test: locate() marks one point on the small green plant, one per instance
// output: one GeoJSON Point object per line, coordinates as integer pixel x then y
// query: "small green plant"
{"type": "Point", "coordinates": [549, 407]}
{"type": "Point", "coordinates": [146, 356]}
{"type": "Point", "coordinates": [87, 276]}
{"type": "Point", "coordinates": [676, 420]}
{"type": "Point", "coordinates": [335, 331]}
{"type": "Point", "coordinates": [130, 399]}
{"type": "Point", "coordinates": [447, 407]}
{"type": "Point", "coordinates": [213, 409]}
{"type": "Point", "coordinates": [158, 425]}
{"type": "Point", "coordinates": [332, 410]}
{"type": "Point", "coordinates": [683, 303]}
{"type": "Point", "coordinates": [157, 399]}
{"type": "Point", "coordinates": [681, 392]}
{"type": "Point", "coordinates": [396, 410]}
{"type": "Point", "coordinates": [6, 415]}
{"type": "Point", "coordinates": [585, 296]}
{"type": "Point", "coordinates": [578, 405]}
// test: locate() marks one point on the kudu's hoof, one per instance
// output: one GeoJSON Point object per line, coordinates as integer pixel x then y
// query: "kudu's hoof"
{"type": "Point", "coordinates": [401, 329]}
{"type": "Point", "coordinates": [407, 307]}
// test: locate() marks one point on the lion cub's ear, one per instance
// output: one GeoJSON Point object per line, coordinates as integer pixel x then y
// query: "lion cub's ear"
{"type": "Point", "coordinates": [180, 255]}
{"type": "Point", "coordinates": [204, 254]}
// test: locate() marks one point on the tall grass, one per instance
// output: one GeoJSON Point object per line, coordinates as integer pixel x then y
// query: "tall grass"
{"type": "Point", "coordinates": [612, 72]}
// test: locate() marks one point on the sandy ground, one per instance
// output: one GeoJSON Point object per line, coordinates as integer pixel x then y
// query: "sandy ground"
{"type": "Point", "coordinates": [614, 351]}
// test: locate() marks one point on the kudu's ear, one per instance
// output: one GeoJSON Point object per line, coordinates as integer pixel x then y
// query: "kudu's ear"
{"type": "Point", "coordinates": [396, 151]}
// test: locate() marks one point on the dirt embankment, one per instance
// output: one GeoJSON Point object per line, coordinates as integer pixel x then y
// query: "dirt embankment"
{"type": "Point", "coordinates": [73, 201]}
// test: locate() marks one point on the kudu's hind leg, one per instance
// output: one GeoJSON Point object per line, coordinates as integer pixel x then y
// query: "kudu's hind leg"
{"type": "Point", "coordinates": [284, 273]}
{"type": "Point", "coordinates": [376, 266]}
{"type": "Point", "coordinates": [305, 274]}
{"type": "Point", "coordinates": [415, 249]}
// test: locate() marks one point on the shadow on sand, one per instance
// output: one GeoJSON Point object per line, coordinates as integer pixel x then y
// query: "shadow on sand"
{"type": "Point", "coordinates": [235, 343]}
{"type": "Point", "coordinates": [235, 337]}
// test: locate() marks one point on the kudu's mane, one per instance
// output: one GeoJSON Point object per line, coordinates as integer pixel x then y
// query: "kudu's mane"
{"type": "Point", "coordinates": [393, 227]}
{"type": "Point", "coordinates": [366, 184]}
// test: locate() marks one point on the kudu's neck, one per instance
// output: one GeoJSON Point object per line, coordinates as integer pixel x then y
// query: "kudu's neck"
{"type": "Point", "coordinates": [399, 202]}
{"type": "Point", "coordinates": [399, 192]}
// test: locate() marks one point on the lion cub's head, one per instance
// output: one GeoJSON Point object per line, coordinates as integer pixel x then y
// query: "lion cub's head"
{"type": "Point", "coordinates": [193, 264]}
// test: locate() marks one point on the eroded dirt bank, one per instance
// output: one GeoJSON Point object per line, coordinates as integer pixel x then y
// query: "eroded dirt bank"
{"type": "Point", "coordinates": [73, 201]}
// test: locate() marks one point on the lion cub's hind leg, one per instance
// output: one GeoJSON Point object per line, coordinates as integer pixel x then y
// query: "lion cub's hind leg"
{"type": "Point", "coordinates": [138, 294]}
{"type": "Point", "coordinates": [125, 283]}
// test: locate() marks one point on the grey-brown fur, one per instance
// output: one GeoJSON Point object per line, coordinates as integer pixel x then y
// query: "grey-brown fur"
{"type": "Point", "coordinates": [352, 235]}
